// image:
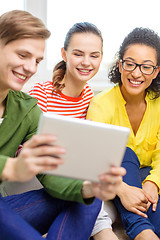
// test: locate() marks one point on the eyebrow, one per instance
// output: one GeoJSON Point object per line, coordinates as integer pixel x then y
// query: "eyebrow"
{"type": "Point", "coordinates": [77, 50]}
{"type": "Point", "coordinates": [145, 61]}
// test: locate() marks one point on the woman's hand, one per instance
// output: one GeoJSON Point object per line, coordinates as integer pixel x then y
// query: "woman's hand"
{"type": "Point", "coordinates": [152, 189]}
{"type": "Point", "coordinates": [134, 199]}
{"type": "Point", "coordinates": [106, 189]}
{"type": "Point", "coordinates": [37, 155]}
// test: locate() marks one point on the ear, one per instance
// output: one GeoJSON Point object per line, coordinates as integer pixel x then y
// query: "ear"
{"type": "Point", "coordinates": [156, 72]}
{"type": "Point", "coordinates": [120, 66]}
{"type": "Point", "coordinates": [63, 54]}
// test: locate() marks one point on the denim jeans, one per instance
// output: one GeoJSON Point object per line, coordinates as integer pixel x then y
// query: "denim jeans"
{"type": "Point", "coordinates": [133, 223]}
{"type": "Point", "coordinates": [29, 215]}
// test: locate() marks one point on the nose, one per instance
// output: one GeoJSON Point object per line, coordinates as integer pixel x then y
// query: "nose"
{"type": "Point", "coordinates": [30, 67]}
{"type": "Point", "coordinates": [136, 73]}
{"type": "Point", "coordinates": [86, 61]}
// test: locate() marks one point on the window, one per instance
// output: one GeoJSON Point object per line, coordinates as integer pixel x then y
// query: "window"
{"type": "Point", "coordinates": [9, 5]}
{"type": "Point", "coordinates": [114, 18]}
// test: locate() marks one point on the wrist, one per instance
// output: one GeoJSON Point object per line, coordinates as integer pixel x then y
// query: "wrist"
{"type": "Point", "coordinates": [87, 190]}
{"type": "Point", "coordinates": [8, 173]}
{"type": "Point", "coordinates": [121, 189]}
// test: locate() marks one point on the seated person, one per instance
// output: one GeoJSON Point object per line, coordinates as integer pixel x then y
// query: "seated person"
{"type": "Point", "coordinates": [135, 103]}
{"type": "Point", "coordinates": [69, 93]}
{"type": "Point", "coordinates": [70, 210]}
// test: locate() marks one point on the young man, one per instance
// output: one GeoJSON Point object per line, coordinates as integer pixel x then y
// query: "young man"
{"type": "Point", "coordinates": [31, 214]}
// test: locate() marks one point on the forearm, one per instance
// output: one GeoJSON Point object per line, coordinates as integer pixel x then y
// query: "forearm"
{"type": "Point", "coordinates": [121, 189]}
{"type": "Point", "coordinates": [87, 190]}
{"type": "Point", "coordinates": [65, 188]}
{"type": "Point", "coordinates": [3, 160]}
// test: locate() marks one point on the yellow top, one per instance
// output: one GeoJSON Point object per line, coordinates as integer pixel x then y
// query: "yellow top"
{"type": "Point", "coordinates": [109, 107]}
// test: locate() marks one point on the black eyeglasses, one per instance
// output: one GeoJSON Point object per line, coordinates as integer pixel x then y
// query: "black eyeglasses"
{"type": "Point", "coordinates": [144, 68]}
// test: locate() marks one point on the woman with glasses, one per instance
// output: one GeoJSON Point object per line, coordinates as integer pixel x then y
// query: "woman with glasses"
{"type": "Point", "coordinates": [134, 102]}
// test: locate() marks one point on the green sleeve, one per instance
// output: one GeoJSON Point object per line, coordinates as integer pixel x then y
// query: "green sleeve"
{"type": "Point", "coordinates": [64, 188]}
{"type": "Point", "coordinates": [32, 120]}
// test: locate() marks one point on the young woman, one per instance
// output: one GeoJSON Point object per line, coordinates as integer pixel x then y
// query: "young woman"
{"type": "Point", "coordinates": [69, 94]}
{"type": "Point", "coordinates": [135, 103]}
{"type": "Point", "coordinates": [28, 215]}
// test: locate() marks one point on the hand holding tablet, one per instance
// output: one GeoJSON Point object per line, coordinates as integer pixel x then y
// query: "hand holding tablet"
{"type": "Point", "coordinates": [91, 147]}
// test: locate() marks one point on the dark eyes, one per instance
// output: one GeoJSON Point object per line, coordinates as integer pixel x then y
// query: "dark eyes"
{"type": "Point", "coordinates": [22, 55]}
{"type": "Point", "coordinates": [95, 56]}
{"type": "Point", "coordinates": [79, 55]}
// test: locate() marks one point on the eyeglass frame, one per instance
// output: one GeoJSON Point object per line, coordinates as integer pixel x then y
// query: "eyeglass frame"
{"type": "Point", "coordinates": [138, 65]}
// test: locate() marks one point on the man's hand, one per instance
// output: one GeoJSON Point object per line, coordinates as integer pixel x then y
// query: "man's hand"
{"type": "Point", "coordinates": [37, 155]}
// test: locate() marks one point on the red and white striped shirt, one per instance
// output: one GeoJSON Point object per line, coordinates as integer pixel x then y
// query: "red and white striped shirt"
{"type": "Point", "coordinates": [59, 103]}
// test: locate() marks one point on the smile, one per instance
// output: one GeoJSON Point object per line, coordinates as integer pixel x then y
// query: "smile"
{"type": "Point", "coordinates": [20, 76]}
{"type": "Point", "coordinates": [135, 82]}
{"type": "Point", "coordinates": [84, 70]}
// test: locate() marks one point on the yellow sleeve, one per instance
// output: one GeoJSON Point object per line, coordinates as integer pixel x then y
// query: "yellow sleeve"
{"type": "Point", "coordinates": [154, 175]}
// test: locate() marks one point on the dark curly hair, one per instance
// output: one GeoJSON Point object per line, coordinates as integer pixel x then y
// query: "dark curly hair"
{"type": "Point", "coordinates": [60, 68]}
{"type": "Point", "coordinates": [138, 36]}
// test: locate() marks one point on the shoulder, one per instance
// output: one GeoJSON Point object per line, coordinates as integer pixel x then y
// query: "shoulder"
{"type": "Point", "coordinates": [107, 95]}
{"type": "Point", "coordinates": [23, 103]}
{"type": "Point", "coordinates": [87, 88]}
{"type": "Point", "coordinates": [44, 86]}
{"type": "Point", "coordinates": [21, 96]}
{"type": "Point", "coordinates": [154, 103]}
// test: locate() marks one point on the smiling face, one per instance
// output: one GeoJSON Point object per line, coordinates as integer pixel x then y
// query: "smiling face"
{"type": "Point", "coordinates": [18, 62]}
{"type": "Point", "coordinates": [83, 56]}
{"type": "Point", "coordinates": [135, 82]}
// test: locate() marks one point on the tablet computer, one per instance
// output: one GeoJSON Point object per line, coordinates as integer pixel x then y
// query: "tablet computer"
{"type": "Point", "coordinates": [91, 147]}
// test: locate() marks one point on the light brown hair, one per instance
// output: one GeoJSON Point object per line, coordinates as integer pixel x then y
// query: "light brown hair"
{"type": "Point", "coordinates": [19, 24]}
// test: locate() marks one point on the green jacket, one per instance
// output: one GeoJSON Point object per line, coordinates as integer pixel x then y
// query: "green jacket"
{"type": "Point", "coordinates": [20, 123]}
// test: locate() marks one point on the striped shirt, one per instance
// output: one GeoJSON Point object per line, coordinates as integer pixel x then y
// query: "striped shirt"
{"type": "Point", "coordinates": [59, 103]}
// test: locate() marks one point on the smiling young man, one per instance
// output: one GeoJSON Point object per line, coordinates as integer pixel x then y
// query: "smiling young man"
{"type": "Point", "coordinates": [28, 215]}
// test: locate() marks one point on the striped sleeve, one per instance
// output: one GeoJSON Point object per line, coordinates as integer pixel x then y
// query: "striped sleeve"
{"type": "Point", "coordinates": [39, 93]}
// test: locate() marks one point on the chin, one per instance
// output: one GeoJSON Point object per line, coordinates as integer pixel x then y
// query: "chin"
{"type": "Point", "coordinates": [17, 88]}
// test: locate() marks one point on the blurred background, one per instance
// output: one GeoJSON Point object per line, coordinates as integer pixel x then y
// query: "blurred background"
{"type": "Point", "coordinates": [115, 18]}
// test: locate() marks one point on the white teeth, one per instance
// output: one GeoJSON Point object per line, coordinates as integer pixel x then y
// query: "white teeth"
{"type": "Point", "coordinates": [135, 82]}
{"type": "Point", "coordinates": [84, 70]}
{"type": "Point", "coordinates": [20, 76]}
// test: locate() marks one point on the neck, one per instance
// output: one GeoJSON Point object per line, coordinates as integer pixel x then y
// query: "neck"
{"type": "Point", "coordinates": [73, 88]}
{"type": "Point", "coordinates": [132, 99]}
{"type": "Point", "coordinates": [2, 103]}
{"type": "Point", "coordinates": [3, 96]}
